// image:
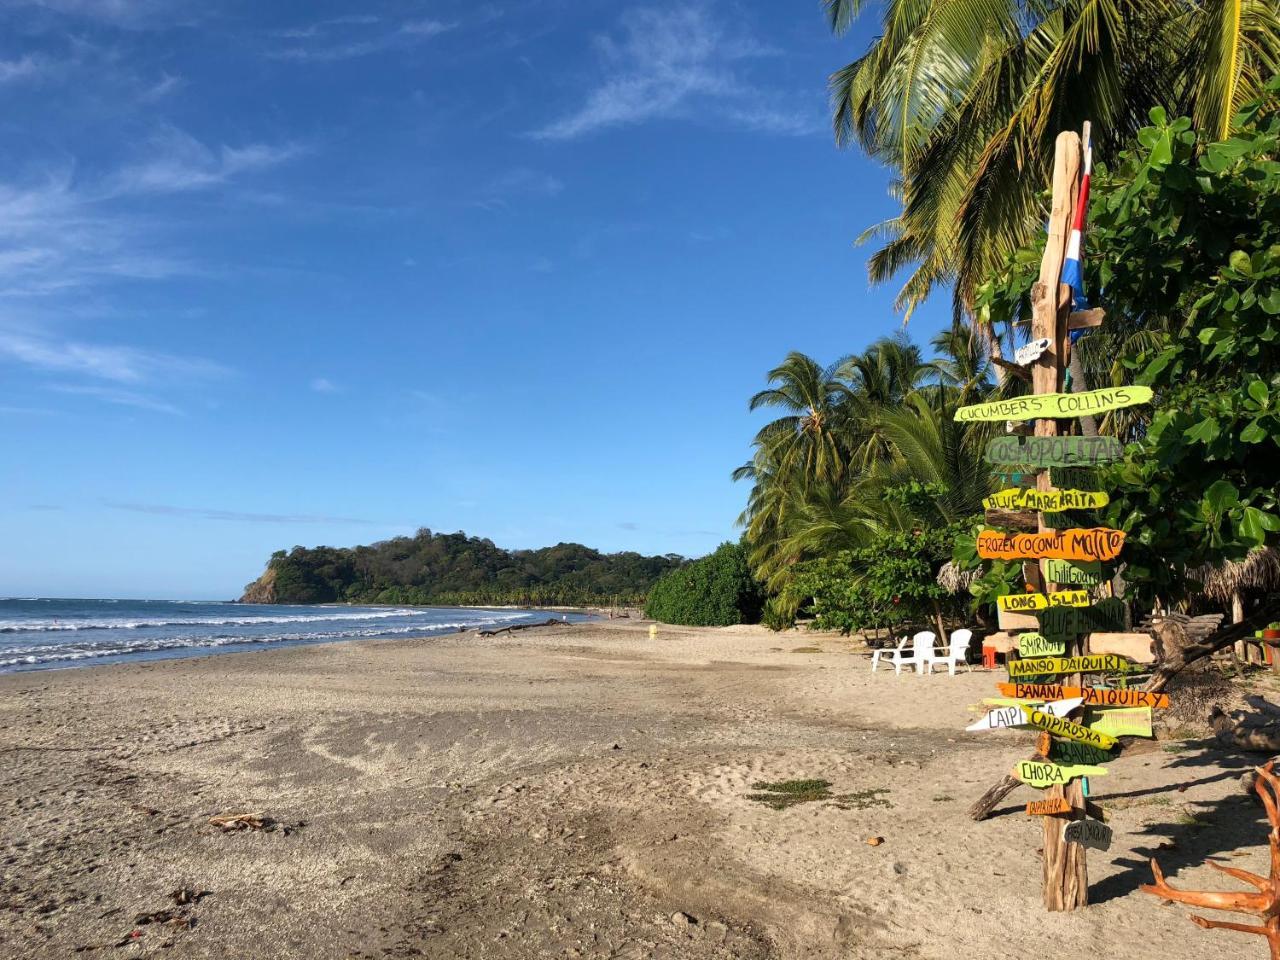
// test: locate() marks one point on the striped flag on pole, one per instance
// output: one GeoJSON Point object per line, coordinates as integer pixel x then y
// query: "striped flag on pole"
{"type": "Point", "coordinates": [1072, 268]}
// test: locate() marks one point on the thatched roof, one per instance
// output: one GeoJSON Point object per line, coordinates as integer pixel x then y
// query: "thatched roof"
{"type": "Point", "coordinates": [956, 581]}
{"type": "Point", "coordinates": [1260, 570]}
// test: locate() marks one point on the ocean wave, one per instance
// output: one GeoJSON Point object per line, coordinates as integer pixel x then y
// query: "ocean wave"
{"type": "Point", "coordinates": [57, 626]}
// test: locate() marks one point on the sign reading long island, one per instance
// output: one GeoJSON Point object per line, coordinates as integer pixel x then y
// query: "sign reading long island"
{"type": "Point", "coordinates": [1056, 405]}
{"type": "Point", "coordinates": [1094, 543]}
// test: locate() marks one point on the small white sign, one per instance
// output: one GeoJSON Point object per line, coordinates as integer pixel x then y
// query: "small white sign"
{"type": "Point", "coordinates": [1031, 352]}
{"type": "Point", "coordinates": [1002, 718]}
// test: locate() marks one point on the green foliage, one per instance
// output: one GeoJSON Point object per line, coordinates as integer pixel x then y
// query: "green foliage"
{"type": "Point", "coordinates": [716, 591]}
{"type": "Point", "coordinates": [452, 568]}
{"type": "Point", "coordinates": [890, 582]}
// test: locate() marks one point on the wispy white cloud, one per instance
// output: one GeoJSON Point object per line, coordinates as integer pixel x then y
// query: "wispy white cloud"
{"type": "Point", "coordinates": [324, 385]}
{"type": "Point", "coordinates": [345, 38]}
{"type": "Point", "coordinates": [118, 397]}
{"type": "Point", "coordinates": [120, 364]}
{"type": "Point", "coordinates": [516, 183]}
{"type": "Point", "coordinates": [24, 68]}
{"type": "Point", "coordinates": [681, 63]}
{"type": "Point", "coordinates": [178, 162]}
{"type": "Point", "coordinates": [235, 516]}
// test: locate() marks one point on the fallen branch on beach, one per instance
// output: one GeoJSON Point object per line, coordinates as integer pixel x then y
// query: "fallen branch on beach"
{"type": "Point", "coordinates": [242, 821]}
{"type": "Point", "coordinates": [552, 622]}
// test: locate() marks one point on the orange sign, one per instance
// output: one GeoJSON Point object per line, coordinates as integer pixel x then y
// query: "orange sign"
{"type": "Point", "coordinates": [1045, 808]}
{"type": "Point", "coordinates": [1094, 543]}
{"type": "Point", "coordinates": [1095, 696]}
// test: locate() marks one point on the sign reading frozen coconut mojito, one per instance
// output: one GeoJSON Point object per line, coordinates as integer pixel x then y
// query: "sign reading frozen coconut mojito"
{"type": "Point", "coordinates": [1056, 405]}
{"type": "Point", "coordinates": [1094, 543]}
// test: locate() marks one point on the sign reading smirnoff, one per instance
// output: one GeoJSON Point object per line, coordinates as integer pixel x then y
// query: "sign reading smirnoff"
{"type": "Point", "coordinates": [1056, 405]}
{"type": "Point", "coordinates": [1094, 543]}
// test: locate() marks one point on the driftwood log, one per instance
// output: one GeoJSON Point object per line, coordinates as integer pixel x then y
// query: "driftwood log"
{"type": "Point", "coordinates": [1175, 656]}
{"type": "Point", "coordinates": [1265, 904]}
{"type": "Point", "coordinates": [550, 622]}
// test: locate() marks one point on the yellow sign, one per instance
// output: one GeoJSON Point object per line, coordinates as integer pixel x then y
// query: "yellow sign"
{"type": "Point", "coordinates": [1019, 602]}
{"type": "Point", "coordinates": [1056, 405]}
{"type": "Point", "coordinates": [1094, 543]}
{"type": "Point", "coordinates": [1047, 501]}
{"type": "Point", "coordinates": [1089, 663]}
{"type": "Point", "coordinates": [1121, 722]}
{"type": "Point", "coordinates": [1041, 774]}
{"type": "Point", "coordinates": [1071, 731]}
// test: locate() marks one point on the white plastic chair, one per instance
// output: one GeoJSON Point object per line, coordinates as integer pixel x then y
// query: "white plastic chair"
{"type": "Point", "coordinates": [891, 655]}
{"type": "Point", "coordinates": [919, 657]}
{"type": "Point", "coordinates": [959, 653]}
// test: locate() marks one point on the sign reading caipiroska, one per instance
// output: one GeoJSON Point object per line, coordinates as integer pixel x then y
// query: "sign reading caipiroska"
{"type": "Point", "coordinates": [1053, 451]}
{"type": "Point", "coordinates": [1065, 728]}
{"type": "Point", "coordinates": [1088, 663]}
{"type": "Point", "coordinates": [1094, 543]}
{"type": "Point", "coordinates": [1046, 501]}
{"type": "Point", "coordinates": [1041, 774]}
{"type": "Point", "coordinates": [1021, 602]}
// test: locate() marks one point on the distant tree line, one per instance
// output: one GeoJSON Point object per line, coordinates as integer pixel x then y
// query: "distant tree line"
{"type": "Point", "coordinates": [452, 568]}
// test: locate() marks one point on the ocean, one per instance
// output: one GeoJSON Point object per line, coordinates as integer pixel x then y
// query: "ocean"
{"type": "Point", "coordinates": [47, 633]}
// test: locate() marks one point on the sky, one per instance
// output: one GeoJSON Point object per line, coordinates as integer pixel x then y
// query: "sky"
{"type": "Point", "coordinates": [325, 273]}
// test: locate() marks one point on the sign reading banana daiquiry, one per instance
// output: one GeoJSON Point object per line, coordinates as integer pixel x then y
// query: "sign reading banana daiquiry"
{"type": "Point", "coordinates": [1053, 451]}
{"type": "Point", "coordinates": [1095, 543]}
{"type": "Point", "coordinates": [1045, 406]}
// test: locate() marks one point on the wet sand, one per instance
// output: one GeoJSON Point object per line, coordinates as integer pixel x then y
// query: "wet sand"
{"type": "Point", "coordinates": [568, 791]}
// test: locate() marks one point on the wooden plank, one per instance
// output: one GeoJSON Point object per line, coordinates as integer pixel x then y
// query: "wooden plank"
{"type": "Point", "coordinates": [1086, 663]}
{"type": "Point", "coordinates": [1041, 774]}
{"type": "Point", "coordinates": [1047, 808]}
{"type": "Point", "coordinates": [1061, 727]}
{"type": "Point", "coordinates": [1019, 602]}
{"type": "Point", "coordinates": [1089, 833]}
{"type": "Point", "coordinates": [1057, 406]}
{"type": "Point", "coordinates": [1086, 319]}
{"type": "Point", "coordinates": [1100, 696]}
{"type": "Point", "coordinates": [1001, 642]}
{"type": "Point", "coordinates": [1074, 543]}
{"type": "Point", "coordinates": [1053, 451]}
{"type": "Point", "coordinates": [1119, 721]}
{"type": "Point", "coordinates": [1021, 372]}
{"type": "Point", "coordinates": [1139, 647]}
{"type": "Point", "coordinates": [1051, 501]}
{"type": "Point", "coordinates": [1012, 519]}
{"type": "Point", "coordinates": [1080, 573]}
{"type": "Point", "coordinates": [1016, 621]}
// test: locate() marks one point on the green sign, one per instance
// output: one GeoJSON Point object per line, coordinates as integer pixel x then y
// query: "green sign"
{"type": "Point", "coordinates": [1068, 751]}
{"type": "Point", "coordinates": [1056, 405]}
{"type": "Point", "coordinates": [1076, 573]}
{"type": "Point", "coordinates": [1105, 615]}
{"type": "Point", "coordinates": [1053, 451]}
{"type": "Point", "coordinates": [1038, 645]}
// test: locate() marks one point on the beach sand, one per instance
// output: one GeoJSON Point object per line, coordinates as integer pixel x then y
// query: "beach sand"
{"type": "Point", "coordinates": [568, 791]}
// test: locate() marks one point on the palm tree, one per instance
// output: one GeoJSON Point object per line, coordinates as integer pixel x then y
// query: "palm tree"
{"type": "Point", "coordinates": [963, 98]}
{"type": "Point", "coordinates": [808, 437]}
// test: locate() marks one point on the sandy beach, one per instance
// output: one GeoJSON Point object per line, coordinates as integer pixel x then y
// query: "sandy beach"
{"type": "Point", "coordinates": [572, 791]}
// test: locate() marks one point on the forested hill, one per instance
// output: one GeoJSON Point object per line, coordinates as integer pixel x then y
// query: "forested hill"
{"type": "Point", "coordinates": [452, 568]}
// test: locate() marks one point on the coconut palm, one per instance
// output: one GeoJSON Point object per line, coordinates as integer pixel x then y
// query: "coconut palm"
{"type": "Point", "coordinates": [808, 438]}
{"type": "Point", "coordinates": [965, 97]}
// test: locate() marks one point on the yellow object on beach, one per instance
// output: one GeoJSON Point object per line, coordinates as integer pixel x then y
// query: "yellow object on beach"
{"type": "Point", "coordinates": [653, 631]}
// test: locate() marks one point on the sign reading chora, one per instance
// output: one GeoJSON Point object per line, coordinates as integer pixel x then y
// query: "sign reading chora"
{"type": "Point", "coordinates": [1041, 774]}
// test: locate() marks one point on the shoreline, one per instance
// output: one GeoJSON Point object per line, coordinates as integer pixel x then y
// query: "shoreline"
{"type": "Point", "coordinates": [555, 792]}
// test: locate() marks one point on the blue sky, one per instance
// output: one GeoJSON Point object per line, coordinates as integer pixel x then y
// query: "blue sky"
{"type": "Point", "coordinates": [302, 273]}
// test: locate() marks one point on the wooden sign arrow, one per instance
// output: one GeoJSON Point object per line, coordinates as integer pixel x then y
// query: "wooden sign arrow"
{"type": "Point", "coordinates": [1079, 574]}
{"type": "Point", "coordinates": [1046, 501]}
{"type": "Point", "coordinates": [1037, 645]}
{"type": "Point", "coordinates": [1029, 353]}
{"type": "Point", "coordinates": [1003, 718]}
{"type": "Point", "coordinates": [1089, 833]}
{"type": "Point", "coordinates": [1093, 543]}
{"type": "Point", "coordinates": [1046, 808]}
{"type": "Point", "coordinates": [1071, 751]}
{"type": "Point", "coordinates": [1021, 602]}
{"type": "Point", "coordinates": [1096, 696]}
{"type": "Point", "coordinates": [1120, 721]}
{"type": "Point", "coordinates": [1017, 621]}
{"type": "Point", "coordinates": [1106, 614]}
{"type": "Point", "coordinates": [1065, 728]}
{"type": "Point", "coordinates": [1053, 451]}
{"type": "Point", "coordinates": [1041, 774]}
{"type": "Point", "coordinates": [1055, 405]}
{"type": "Point", "coordinates": [1089, 663]}
{"type": "Point", "coordinates": [1139, 647]}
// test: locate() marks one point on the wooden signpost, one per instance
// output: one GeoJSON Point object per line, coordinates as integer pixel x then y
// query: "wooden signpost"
{"type": "Point", "coordinates": [1041, 774]}
{"type": "Point", "coordinates": [1041, 601]}
{"type": "Point", "coordinates": [1053, 451]}
{"type": "Point", "coordinates": [1055, 405]}
{"type": "Point", "coordinates": [1053, 501]}
{"type": "Point", "coordinates": [1089, 833]}
{"type": "Point", "coordinates": [1095, 543]}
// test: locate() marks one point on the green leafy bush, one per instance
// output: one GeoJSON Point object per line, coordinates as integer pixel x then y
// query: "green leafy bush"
{"type": "Point", "coordinates": [716, 591]}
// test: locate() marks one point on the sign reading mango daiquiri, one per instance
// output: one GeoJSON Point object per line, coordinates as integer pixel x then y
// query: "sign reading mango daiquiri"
{"type": "Point", "coordinates": [1017, 602]}
{"type": "Point", "coordinates": [1056, 405]}
{"type": "Point", "coordinates": [1094, 543]}
{"type": "Point", "coordinates": [1088, 663]}
{"type": "Point", "coordinates": [1047, 501]}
